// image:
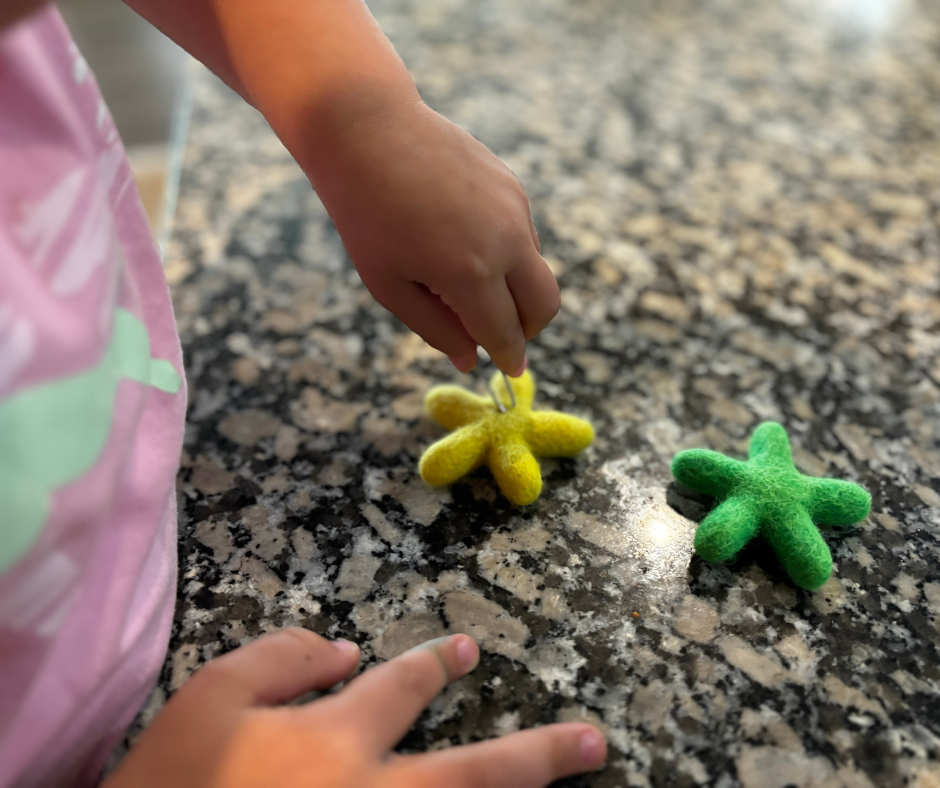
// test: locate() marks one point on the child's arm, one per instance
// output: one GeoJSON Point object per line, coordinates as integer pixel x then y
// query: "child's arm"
{"type": "Point", "coordinates": [226, 729]}
{"type": "Point", "coordinates": [437, 226]}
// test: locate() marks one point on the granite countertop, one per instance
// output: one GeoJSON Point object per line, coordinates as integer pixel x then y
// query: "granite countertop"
{"type": "Point", "coordinates": [740, 200]}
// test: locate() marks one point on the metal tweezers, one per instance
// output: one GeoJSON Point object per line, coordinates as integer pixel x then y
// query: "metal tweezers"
{"type": "Point", "coordinates": [512, 394]}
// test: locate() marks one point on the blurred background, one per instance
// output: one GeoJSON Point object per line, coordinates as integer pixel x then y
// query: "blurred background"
{"type": "Point", "coordinates": [143, 76]}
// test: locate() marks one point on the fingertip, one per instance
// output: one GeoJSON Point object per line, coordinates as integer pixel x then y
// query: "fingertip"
{"type": "Point", "coordinates": [465, 362]}
{"type": "Point", "coordinates": [520, 369]}
{"type": "Point", "coordinates": [346, 647]}
{"type": "Point", "coordinates": [592, 747]}
{"type": "Point", "coordinates": [468, 653]}
{"type": "Point", "coordinates": [458, 654]}
{"type": "Point", "coordinates": [511, 362]}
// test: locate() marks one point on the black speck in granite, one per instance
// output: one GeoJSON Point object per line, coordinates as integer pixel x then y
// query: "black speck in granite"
{"type": "Point", "coordinates": [741, 201]}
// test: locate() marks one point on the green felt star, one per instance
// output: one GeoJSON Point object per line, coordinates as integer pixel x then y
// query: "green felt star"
{"type": "Point", "coordinates": [768, 495]}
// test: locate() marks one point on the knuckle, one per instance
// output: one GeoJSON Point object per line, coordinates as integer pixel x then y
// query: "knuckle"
{"type": "Point", "coordinates": [304, 638]}
{"type": "Point", "coordinates": [522, 237]}
{"type": "Point", "coordinates": [477, 270]}
{"type": "Point", "coordinates": [212, 676]}
{"type": "Point", "coordinates": [542, 318]}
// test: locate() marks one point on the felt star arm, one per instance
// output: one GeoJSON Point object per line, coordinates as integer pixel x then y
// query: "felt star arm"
{"type": "Point", "coordinates": [799, 546]}
{"type": "Point", "coordinates": [553, 434]}
{"type": "Point", "coordinates": [708, 472]}
{"type": "Point", "coordinates": [452, 406]}
{"type": "Point", "coordinates": [728, 527]}
{"type": "Point", "coordinates": [770, 442]}
{"type": "Point", "coordinates": [515, 469]}
{"type": "Point", "coordinates": [453, 456]}
{"type": "Point", "coordinates": [837, 502]}
{"type": "Point", "coordinates": [523, 387]}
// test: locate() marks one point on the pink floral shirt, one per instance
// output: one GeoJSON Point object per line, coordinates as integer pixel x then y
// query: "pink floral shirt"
{"type": "Point", "coordinates": [92, 400]}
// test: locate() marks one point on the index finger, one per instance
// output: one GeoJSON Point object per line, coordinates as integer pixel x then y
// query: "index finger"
{"type": "Point", "coordinates": [490, 315]}
{"type": "Point", "coordinates": [383, 703]}
{"type": "Point", "coordinates": [278, 667]}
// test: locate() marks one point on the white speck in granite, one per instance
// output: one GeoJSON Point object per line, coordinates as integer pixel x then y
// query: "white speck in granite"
{"type": "Point", "coordinates": [507, 722]}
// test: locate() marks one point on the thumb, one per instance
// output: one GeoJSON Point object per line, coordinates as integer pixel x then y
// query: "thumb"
{"type": "Point", "coordinates": [279, 667]}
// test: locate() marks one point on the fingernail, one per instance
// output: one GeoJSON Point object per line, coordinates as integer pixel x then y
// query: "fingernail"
{"type": "Point", "coordinates": [467, 653]}
{"type": "Point", "coordinates": [518, 372]}
{"type": "Point", "coordinates": [463, 363]}
{"type": "Point", "coordinates": [345, 646]}
{"type": "Point", "coordinates": [430, 645]}
{"type": "Point", "coordinates": [592, 747]}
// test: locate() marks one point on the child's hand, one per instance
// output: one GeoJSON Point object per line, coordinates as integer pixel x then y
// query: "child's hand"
{"type": "Point", "coordinates": [225, 728]}
{"type": "Point", "coordinates": [437, 226]}
{"type": "Point", "coordinates": [439, 230]}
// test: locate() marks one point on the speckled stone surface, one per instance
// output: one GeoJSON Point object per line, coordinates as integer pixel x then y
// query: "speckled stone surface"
{"type": "Point", "coordinates": [740, 200]}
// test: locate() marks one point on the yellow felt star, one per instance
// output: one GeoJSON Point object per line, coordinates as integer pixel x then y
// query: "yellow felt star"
{"type": "Point", "coordinates": [507, 442]}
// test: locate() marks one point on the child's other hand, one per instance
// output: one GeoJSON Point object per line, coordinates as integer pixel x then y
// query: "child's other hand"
{"type": "Point", "coordinates": [438, 228]}
{"type": "Point", "coordinates": [225, 728]}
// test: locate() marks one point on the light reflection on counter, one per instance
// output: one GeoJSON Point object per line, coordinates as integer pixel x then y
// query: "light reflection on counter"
{"type": "Point", "coordinates": [873, 18]}
{"type": "Point", "coordinates": [649, 544]}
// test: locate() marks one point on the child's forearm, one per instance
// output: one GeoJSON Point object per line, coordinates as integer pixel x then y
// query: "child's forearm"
{"type": "Point", "coordinates": [438, 228]}
{"type": "Point", "coordinates": [309, 66]}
